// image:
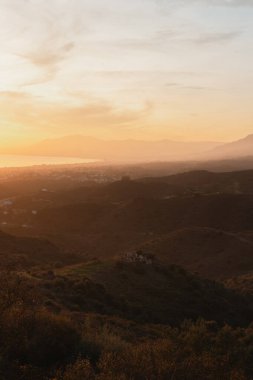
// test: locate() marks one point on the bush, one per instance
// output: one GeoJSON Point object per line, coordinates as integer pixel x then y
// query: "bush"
{"type": "Point", "coordinates": [38, 338]}
{"type": "Point", "coordinates": [81, 370]}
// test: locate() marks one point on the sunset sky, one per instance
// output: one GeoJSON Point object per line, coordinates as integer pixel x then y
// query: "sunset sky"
{"type": "Point", "coordinates": [146, 69]}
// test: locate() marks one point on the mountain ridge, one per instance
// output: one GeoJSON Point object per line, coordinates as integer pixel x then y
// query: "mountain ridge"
{"type": "Point", "coordinates": [239, 148]}
{"type": "Point", "coordinates": [117, 150]}
{"type": "Point", "coordinates": [137, 150]}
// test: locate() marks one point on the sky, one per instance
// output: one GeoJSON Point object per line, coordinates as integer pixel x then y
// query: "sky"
{"type": "Point", "coordinates": [117, 69]}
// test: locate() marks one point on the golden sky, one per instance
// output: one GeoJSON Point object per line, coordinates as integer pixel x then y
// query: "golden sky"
{"type": "Point", "coordinates": [146, 69]}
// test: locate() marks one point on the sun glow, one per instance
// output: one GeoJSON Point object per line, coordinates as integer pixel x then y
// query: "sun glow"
{"type": "Point", "coordinates": [142, 69]}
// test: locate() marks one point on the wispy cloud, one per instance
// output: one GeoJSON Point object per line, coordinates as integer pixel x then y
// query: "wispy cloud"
{"type": "Point", "coordinates": [213, 38]}
{"type": "Point", "coordinates": [32, 112]}
{"type": "Point", "coordinates": [229, 3]}
{"type": "Point", "coordinates": [47, 60]}
{"type": "Point", "coordinates": [163, 38]}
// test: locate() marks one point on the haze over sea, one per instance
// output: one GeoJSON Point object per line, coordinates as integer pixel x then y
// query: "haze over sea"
{"type": "Point", "coordinates": [13, 161]}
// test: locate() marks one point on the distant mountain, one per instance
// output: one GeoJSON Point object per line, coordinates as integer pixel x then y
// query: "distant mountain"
{"type": "Point", "coordinates": [239, 148]}
{"type": "Point", "coordinates": [203, 181]}
{"type": "Point", "coordinates": [118, 150]}
{"type": "Point", "coordinates": [142, 151]}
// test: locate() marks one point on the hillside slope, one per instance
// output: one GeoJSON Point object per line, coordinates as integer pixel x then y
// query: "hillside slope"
{"type": "Point", "coordinates": [155, 293]}
{"type": "Point", "coordinates": [212, 253]}
{"type": "Point", "coordinates": [221, 211]}
{"type": "Point", "coordinates": [22, 252]}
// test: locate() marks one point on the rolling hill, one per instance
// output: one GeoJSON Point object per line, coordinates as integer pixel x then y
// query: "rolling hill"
{"type": "Point", "coordinates": [208, 182]}
{"type": "Point", "coordinates": [24, 252]}
{"type": "Point", "coordinates": [199, 220]}
{"type": "Point", "coordinates": [155, 293]}
{"type": "Point", "coordinates": [227, 212]}
{"type": "Point", "coordinates": [212, 253]}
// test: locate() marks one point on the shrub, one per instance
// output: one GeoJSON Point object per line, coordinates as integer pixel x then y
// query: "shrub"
{"type": "Point", "coordinates": [80, 370]}
{"type": "Point", "coordinates": [38, 338]}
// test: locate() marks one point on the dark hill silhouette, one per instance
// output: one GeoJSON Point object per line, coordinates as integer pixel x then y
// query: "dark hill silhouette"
{"type": "Point", "coordinates": [223, 211]}
{"type": "Point", "coordinates": [119, 191]}
{"type": "Point", "coordinates": [23, 252]}
{"type": "Point", "coordinates": [155, 293]}
{"type": "Point", "coordinates": [211, 253]}
{"type": "Point", "coordinates": [124, 190]}
{"type": "Point", "coordinates": [105, 220]}
{"type": "Point", "coordinates": [162, 187]}
{"type": "Point", "coordinates": [105, 229]}
{"type": "Point", "coordinates": [236, 181]}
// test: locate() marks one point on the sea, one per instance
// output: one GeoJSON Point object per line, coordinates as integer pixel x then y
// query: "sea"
{"type": "Point", "coordinates": [13, 161]}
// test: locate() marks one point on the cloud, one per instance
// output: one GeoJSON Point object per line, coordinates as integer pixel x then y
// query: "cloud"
{"type": "Point", "coordinates": [47, 60]}
{"type": "Point", "coordinates": [198, 88]}
{"type": "Point", "coordinates": [229, 3]}
{"type": "Point", "coordinates": [210, 38]}
{"type": "Point", "coordinates": [223, 3]}
{"type": "Point", "coordinates": [40, 34]}
{"type": "Point", "coordinates": [161, 40]}
{"type": "Point", "coordinates": [181, 86]}
{"type": "Point", "coordinates": [30, 112]}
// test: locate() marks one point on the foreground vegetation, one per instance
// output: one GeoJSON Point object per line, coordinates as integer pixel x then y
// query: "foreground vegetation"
{"type": "Point", "coordinates": [38, 344]}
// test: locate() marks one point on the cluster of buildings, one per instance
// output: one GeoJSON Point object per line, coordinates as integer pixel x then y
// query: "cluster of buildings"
{"type": "Point", "coordinates": [139, 257]}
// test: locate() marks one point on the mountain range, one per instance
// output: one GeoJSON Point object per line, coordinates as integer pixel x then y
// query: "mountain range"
{"type": "Point", "coordinates": [239, 148]}
{"type": "Point", "coordinates": [118, 150]}
{"type": "Point", "coordinates": [139, 150]}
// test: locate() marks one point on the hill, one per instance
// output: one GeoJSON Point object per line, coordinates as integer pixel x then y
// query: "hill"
{"type": "Point", "coordinates": [239, 148]}
{"type": "Point", "coordinates": [212, 253]}
{"type": "Point", "coordinates": [221, 211]}
{"type": "Point", "coordinates": [205, 210]}
{"type": "Point", "coordinates": [23, 252]}
{"type": "Point", "coordinates": [208, 182]}
{"type": "Point", "coordinates": [155, 293]}
{"type": "Point", "coordinates": [181, 184]}
{"type": "Point", "coordinates": [108, 228]}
